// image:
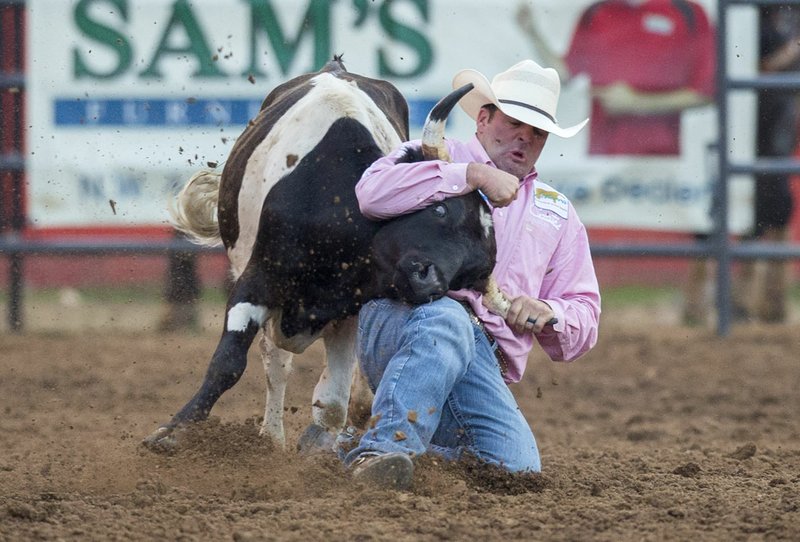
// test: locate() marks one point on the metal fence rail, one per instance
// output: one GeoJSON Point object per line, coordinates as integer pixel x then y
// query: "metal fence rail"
{"type": "Point", "coordinates": [16, 249]}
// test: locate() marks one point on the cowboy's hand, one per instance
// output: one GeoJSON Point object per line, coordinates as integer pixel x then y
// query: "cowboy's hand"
{"type": "Point", "coordinates": [497, 185]}
{"type": "Point", "coordinates": [528, 315]}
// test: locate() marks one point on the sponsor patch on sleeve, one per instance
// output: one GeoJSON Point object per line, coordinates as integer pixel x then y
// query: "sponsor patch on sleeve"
{"type": "Point", "coordinates": [551, 200]}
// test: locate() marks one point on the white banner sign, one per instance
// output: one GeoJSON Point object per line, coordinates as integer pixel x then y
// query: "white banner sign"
{"type": "Point", "coordinates": [127, 98]}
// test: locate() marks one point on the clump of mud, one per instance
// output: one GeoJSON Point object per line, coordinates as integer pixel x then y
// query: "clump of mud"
{"type": "Point", "coordinates": [213, 440]}
{"type": "Point", "coordinates": [433, 476]}
{"type": "Point", "coordinates": [257, 469]}
{"type": "Point", "coordinates": [483, 477]}
{"type": "Point", "coordinates": [214, 444]}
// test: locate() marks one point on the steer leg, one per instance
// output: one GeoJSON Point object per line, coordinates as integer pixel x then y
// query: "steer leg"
{"type": "Point", "coordinates": [332, 392]}
{"type": "Point", "coordinates": [277, 366]}
{"type": "Point", "coordinates": [361, 398]}
{"type": "Point", "coordinates": [243, 318]}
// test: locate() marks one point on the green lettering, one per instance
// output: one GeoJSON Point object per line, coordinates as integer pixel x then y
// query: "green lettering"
{"type": "Point", "coordinates": [104, 35]}
{"type": "Point", "coordinates": [407, 35]}
{"type": "Point", "coordinates": [362, 11]}
{"type": "Point", "coordinates": [264, 20]}
{"type": "Point", "coordinates": [183, 17]}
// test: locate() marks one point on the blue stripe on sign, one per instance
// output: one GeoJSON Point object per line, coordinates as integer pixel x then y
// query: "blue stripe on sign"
{"type": "Point", "coordinates": [418, 111]}
{"type": "Point", "coordinates": [154, 112]}
{"type": "Point", "coordinates": [166, 113]}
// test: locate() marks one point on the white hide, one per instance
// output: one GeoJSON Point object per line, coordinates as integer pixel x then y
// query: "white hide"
{"type": "Point", "coordinates": [241, 314]}
{"type": "Point", "coordinates": [486, 222]}
{"type": "Point", "coordinates": [300, 129]}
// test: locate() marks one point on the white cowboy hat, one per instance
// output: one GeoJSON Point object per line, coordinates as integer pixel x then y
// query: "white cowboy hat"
{"type": "Point", "coordinates": [526, 91]}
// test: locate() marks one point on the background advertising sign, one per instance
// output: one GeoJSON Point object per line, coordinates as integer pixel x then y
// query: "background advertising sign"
{"type": "Point", "coordinates": [126, 99]}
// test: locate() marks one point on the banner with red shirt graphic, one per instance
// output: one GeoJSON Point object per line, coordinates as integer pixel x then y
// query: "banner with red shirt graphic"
{"type": "Point", "coordinates": [129, 98]}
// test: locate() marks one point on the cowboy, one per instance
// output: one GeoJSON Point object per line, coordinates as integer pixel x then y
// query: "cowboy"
{"type": "Point", "coordinates": [440, 371]}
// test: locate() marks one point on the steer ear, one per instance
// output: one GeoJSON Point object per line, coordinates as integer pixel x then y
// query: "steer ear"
{"type": "Point", "coordinates": [433, 147]}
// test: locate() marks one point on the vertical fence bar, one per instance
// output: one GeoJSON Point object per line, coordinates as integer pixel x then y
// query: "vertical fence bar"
{"type": "Point", "coordinates": [721, 237]}
{"type": "Point", "coordinates": [12, 188]}
{"type": "Point", "coordinates": [15, 321]}
{"type": "Point", "coordinates": [18, 189]}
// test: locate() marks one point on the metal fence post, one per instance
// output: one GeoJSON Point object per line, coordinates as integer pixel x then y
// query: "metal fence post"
{"type": "Point", "coordinates": [721, 241]}
{"type": "Point", "coordinates": [12, 166]}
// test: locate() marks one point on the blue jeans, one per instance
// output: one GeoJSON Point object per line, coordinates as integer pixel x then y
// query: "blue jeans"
{"type": "Point", "coordinates": [438, 387]}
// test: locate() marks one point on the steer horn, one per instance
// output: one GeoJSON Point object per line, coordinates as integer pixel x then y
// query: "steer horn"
{"type": "Point", "coordinates": [433, 148]}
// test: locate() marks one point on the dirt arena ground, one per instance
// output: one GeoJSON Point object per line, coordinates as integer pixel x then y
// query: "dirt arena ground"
{"type": "Point", "coordinates": [660, 433]}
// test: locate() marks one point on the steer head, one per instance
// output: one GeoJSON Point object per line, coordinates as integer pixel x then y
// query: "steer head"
{"type": "Point", "coordinates": [449, 245]}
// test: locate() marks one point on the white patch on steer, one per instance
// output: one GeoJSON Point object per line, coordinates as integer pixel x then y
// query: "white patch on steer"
{"type": "Point", "coordinates": [300, 129]}
{"type": "Point", "coordinates": [486, 222]}
{"type": "Point", "coordinates": [242, 314]}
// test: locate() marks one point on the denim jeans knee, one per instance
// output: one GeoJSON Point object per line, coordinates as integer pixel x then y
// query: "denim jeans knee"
{"type": "Point", "coordinates": [434, 373]}
{"type": "Point", "coordinates": [385, 325]}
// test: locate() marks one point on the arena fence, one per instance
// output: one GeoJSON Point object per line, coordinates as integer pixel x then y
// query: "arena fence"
{"type": "Point", "coordinates": [718, 246]}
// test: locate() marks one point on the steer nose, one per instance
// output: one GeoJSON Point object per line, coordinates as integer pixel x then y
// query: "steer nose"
{"type": "Point", "coordinates": [423, 279]}
{"type": "Point", "coordinates": [422, 273]}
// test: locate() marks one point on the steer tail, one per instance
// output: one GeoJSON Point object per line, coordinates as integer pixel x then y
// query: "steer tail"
{"type": "Point", "coordinates": [194, 211]}
{"type": "Point", "coordinates": [433, 147]}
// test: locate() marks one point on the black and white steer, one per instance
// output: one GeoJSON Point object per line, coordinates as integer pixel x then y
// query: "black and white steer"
{"type": "Point", "coordinates": [303, 257]}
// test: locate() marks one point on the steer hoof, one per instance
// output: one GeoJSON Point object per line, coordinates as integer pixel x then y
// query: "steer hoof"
{"type": "Point", "coordinates": [315, 440]}
{"type": "Point", "coordinates": [162, 440]}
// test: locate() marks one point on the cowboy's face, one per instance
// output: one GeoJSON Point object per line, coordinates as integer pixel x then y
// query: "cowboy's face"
{"type": "Point", "coordinates": [512, 145]}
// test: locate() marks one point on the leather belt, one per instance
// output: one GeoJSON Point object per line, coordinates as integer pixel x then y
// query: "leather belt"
{"type": "Point", "coordinates": [498, 353]}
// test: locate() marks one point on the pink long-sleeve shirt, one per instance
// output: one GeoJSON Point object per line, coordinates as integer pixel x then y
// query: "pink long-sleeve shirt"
{"type": "Point", "coordinates": [542, 248]}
